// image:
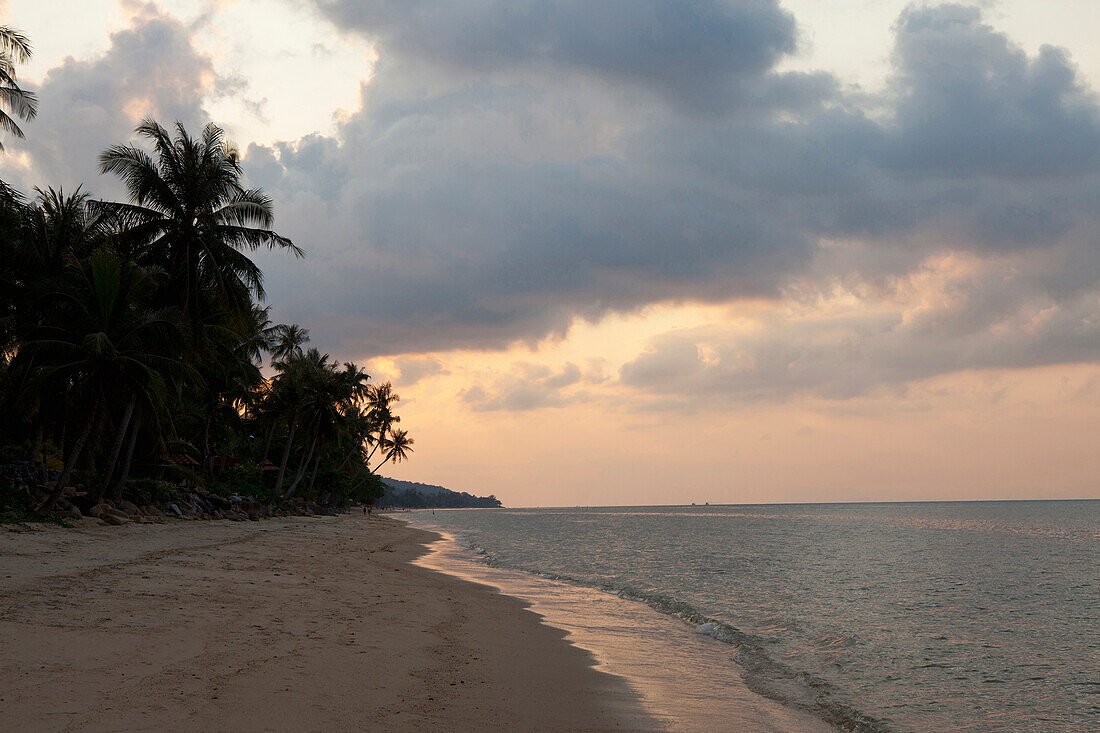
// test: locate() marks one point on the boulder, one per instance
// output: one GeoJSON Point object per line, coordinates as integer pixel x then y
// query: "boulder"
{"type": "Point", "coordinates": [115, 512]}
{"type": "Point", "coordinates": [129, 507]}
{"type": "Point", "coordinates": [98, 510]}
{"type": "Point", "coordinates": [151, 511]}
{"type": "Point", "coordinates": [69, 512]}
{"type": "Point", "coordinates": [113, 519]}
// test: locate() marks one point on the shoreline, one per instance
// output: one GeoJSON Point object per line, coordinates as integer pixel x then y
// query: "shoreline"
{"type": "Point", "coordinates": [686, 679]}
{"type": "Point", "coordinates": [297, 623]}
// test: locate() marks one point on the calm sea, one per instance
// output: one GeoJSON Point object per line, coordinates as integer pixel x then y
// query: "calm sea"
{"type": "Point", "coordinates": [979, 616]}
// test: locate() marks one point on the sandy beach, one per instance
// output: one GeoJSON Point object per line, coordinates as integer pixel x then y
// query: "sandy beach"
{"type": "Point", "coordinates": [295, 624]}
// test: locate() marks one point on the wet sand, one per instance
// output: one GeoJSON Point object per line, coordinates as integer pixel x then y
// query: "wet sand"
{"type": "Point", "coordinates": [295, 624]}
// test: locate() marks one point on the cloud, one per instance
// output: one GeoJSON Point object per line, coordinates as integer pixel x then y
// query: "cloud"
{"type": "Point", "coordinates": [695, 54]}
{"type": "Point", "coordinates": [528, 387]}
{"type": "Point", "coordinates": [415, 368]}
{"type": "Point", "coordinates": [955, 314]}
{"type": "Point", "coordinates": [150, 69]}
{"type": "Point", "coordinates": [494, 187]}
{"type": "Point", "coordinates": [969, 102]}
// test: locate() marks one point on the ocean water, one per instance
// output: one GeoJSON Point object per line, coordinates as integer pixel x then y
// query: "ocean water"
{"type": "Point", "coordinates": [976, 616]}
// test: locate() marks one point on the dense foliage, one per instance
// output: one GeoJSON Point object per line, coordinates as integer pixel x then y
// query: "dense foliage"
{"type": "Point", "coordinates": [133, 338]}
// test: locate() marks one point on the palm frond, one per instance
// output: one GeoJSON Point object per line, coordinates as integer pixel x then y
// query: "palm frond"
{"type": "Point", "coordinates": [15, 43]}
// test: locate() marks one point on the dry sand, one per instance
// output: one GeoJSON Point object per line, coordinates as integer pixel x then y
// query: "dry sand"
{"type": "Point", "coordinates": [297, 624]}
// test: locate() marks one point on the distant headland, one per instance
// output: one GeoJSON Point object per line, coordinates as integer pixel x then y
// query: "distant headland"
{"type": "Point", "coordinates": [413, 495]}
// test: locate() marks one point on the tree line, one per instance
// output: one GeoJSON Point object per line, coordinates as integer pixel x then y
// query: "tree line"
{"type": "Point", "coordinates": [134, 337]}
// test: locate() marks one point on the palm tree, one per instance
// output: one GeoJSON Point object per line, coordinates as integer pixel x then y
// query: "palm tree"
{"type": "Point", "coordinates": [11, 217]}
{"type": "Point", "coordinates": [14, 48]}
{"type": "Point", "coordinates": [104, 338]}
{"type": "Point", "coordinates": [258, 332]}
{"type": "Point", "coordinates": [58, 231]}
{"type": "Point", "coordinates": [380, 401]}
{"type": "Point", "coordinates": [325, 393]}
{"type": "Point", "coordinates": [397, 447]}
{"type": "Point", "coordinates": [54, 232]}
{"type": "Point", "coordinates": [287, 398]}
{"type": "Point", "coordinates": [191, 215]}
{"type": "Point", "coordinates": [287, 341]}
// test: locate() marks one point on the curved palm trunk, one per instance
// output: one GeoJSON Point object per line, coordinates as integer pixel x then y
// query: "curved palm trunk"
{"type": "Point", "coordinates": [313, 476]}
{"type": "Point", "coordinates": [301, 472]}
{"type": "Point", "coordinates": [381, 436]}
{"type": "Point", "coordinates": [74, 456]}
{"type": "Point", "coordinates": [112, 460]}
{"type": "Point", "coordinates": [383, 463]}
{"type": "Point", "coordinates": [282, 466]}
{"type": "Point", "coordinates": [121, 485]}
{"type": "Point", "coordinates": [352, 452]}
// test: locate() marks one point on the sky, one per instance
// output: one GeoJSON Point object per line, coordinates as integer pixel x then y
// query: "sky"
{"type": "Point", "coordinates": [652, 251]}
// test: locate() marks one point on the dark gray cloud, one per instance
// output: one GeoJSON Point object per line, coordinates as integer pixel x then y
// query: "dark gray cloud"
{"type": "Point", "coordinates": [492, 189]}
{"type": "Point", "coordinates": [969, 102]}
{"type": "Point", "coordinates": [700, 53]}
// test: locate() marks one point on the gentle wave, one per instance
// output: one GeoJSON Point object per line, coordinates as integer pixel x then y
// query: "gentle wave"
{"type": "Point", "coordinates": [761, 673]}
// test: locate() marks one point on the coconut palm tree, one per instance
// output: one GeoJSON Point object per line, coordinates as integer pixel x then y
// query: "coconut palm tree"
{"type": "Point", "coordinates": [104, 337]}
{"type": "Point", "coordinates": [190, 215]}
{"type": "Point", "coordinates": [289, 398]}
{"type": "Point", "coordinates": [11, 218]}
{"type": "Point", "coordinates": [397, 447]}
{"type": "Point", "coordinates": [379, 404]}
{"type": "Point", "coordinates": [287, 341]}
{"type": "Point", "coordinates": [14, 48]}
{"type": "Point", "coordinates": [58, 230]}
{"type": "Point", "coordinates": [258, 333]}
{"type": "Point", "coordinates": [54, 232]}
